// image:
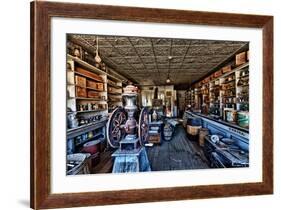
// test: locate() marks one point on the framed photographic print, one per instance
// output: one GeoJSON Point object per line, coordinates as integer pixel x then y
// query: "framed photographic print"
{"type": "Point", "coordinates": [140, 105]}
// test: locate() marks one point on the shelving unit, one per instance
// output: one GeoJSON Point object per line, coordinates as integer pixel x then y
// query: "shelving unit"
{"type": "Point", "coordinates": [89, 92]}
{"type": "Point", "coordinates": [228, 91]}
{"type": "Point", "coordinates": [114, 93]}
{"type": "Point", "coordinates": [215, 99]}
{"type": "Point", "coordinates": [242, 87]}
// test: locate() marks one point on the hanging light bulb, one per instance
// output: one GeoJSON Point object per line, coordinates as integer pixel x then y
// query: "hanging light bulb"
{"type": "Point", "coordinates": [168, 79]}
{"type": "Point", "coordinates": [97, 57]}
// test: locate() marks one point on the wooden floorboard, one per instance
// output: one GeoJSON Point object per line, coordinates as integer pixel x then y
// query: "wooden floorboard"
{"type": "Point", "coordinates": [105, 165]}
{"type": "Point", "coordinates": [178, 154]}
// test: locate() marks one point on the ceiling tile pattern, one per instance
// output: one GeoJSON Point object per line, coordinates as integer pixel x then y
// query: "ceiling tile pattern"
{"type": "Point", "coordinates": [152, 60]}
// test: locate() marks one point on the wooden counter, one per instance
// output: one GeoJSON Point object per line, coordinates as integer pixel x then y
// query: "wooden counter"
{"type": "Point", "coordinates": [228, 130]}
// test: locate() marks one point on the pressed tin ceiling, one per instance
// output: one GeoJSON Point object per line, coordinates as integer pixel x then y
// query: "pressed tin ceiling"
{"type": "Point", "coordinates": [149, 61]}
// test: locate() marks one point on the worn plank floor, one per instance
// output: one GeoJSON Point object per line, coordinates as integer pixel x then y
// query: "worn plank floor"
{"type": "Point", "coordinates": [178, 154]}
{"type": "Point", "coordinates": [105, 164]}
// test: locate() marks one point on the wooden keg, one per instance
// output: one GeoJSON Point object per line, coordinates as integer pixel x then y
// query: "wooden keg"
{"type": "Point", "coordinates": [193, 132]}
{"type": "Point", "coordinates": [202, 133]}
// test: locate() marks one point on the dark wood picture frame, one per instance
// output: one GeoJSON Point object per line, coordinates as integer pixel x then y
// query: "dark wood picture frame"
{"type": "Point", "coordinates": [41, 14]}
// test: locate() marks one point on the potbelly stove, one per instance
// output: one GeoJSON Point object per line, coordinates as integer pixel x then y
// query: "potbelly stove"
{"type": "Point", "coordinates": [128, 135]}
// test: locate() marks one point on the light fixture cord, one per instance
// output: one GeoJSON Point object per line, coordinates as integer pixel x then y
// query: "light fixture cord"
{"type": "Point", "coordinates": [97, 43]}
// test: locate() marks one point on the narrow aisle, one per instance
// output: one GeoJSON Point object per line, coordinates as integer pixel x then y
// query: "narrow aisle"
{"type": "Point", "coordinates": [178, 154]}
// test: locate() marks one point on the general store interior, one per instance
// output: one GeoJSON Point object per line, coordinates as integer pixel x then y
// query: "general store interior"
{"type": "Point", "coordinates": [189, 100]}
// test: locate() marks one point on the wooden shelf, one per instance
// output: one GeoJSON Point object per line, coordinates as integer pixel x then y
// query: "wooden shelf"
{"type": "Point", "coordinates": [114, 78]}
{"type": "Point", "coordinates": [114, 101]}
{"type": "Point", "coordinates": [92, 68]}
{"type": "Point", "coordinates": [90, 88]}
{"type": "Point", "coordinates": [89, 139]}
{"type": "Point", "coordinates": [72, 132]}
{"type": "Point", "coordinates": [85, 111]}
{"type": "Point", "coordinates": [83, 75]}
{"type": "Point", "coordinates": [233, 96]}
{"type": "Point", "coordinates": [115, 94]}
{"type": "Point", "coordinates": [90, 99]}
{"type": "Point", "coordinates": [232, 71]}
{"type": "Point", "coordinates": [229, 81]}
{"type": "Point", "coordinates": [116, 86]}
{"type": "Point", "coordinates": [247, 75]}
{"type": "Point", "coordinates": [87, 65]}
{"type": "Point", "coordinates": [243, 85]}
{"type": "Point", "coordinates": [230, 88]}
{"type": "Point", "coordinates": [242, 95]}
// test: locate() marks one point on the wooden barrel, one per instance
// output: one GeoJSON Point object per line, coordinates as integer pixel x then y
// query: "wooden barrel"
{"type": "Point", "coordinates": [194, 121]}
{"type": "Point", "coordinates": [202, 133]}
{"type": "Point", "coordinates": [168, 132]}
{"type": "Point", "coordinates": [193, 132]}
